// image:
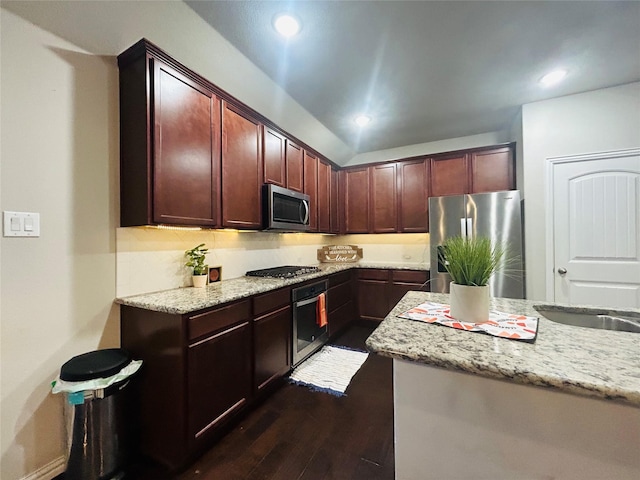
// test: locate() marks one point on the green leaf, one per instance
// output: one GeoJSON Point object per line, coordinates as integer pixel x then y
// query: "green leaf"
{"type": "Point", "coordinates": [472, 261]}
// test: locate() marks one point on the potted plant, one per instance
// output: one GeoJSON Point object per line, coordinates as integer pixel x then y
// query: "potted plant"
{"type": "Point", "coordinates": [196, 260]}
{"type": "Point", "coordinates": [471, 261]}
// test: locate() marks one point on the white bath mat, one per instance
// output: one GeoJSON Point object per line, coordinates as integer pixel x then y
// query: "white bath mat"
{"type": "Point", "coordinates": [329, 370]}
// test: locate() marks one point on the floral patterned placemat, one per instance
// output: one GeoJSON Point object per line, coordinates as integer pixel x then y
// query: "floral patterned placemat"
{"type": "Point", "coordinates": [500, 324]}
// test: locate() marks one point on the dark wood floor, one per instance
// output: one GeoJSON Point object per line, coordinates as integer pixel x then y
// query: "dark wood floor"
{"type": "Point", "coordinates": [300, 434]}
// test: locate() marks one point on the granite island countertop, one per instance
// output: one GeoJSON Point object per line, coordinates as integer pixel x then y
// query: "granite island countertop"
{"type": "Point", "coordinates": [188, 299]}
{"type": "Point", "coordinates": [583, 361]}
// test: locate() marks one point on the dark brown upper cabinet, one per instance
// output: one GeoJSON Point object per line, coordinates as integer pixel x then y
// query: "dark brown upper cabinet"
{"type": "Point", "coordinates": [324, 197]}
{"type": "Point", "coordinates": [241, 169]}
{"type": "Point", "coordinates": [355, 187]}
{"type": "Point", "coordinates": [169, 144]}
{"type": "Point", "coordinates": [335, 206]}
{"type": "Point", "coordinates": [283, 161]}
{"type": "Point", "coordinates": [384, 195]}
{"type": "Point", "coordinates": [492, 170]}
{"type": "Point", "coordinates": [274, 147]}
{"type": "Point", "coordinates": [311, 188]}
{"type": "Point", "coordinates": [413, 198]}
{"type": "Point", "coordinates": [473, 171]}
{"type": "Point", "coordinates": [450, 175]}
{"type": "Point", "coordinates": [294, 167]}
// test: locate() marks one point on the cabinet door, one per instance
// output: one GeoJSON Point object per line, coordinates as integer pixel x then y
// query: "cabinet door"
{"type": "Point", "coordinates": [413, 205]}
{"type": "Point", "coordinates": [335, 201]}
{"type": "Point", "coordinates": [186, 161]}
{"type": "Point", "coordinates": [384, 194]}
{"type": "Point", "coordinates": [274, 157]}
{"type": "Point", "coordinates": [311, 188]}
{"type": "Point", "coordinates": [272, 347]}
{"type": "Point", "coordinates": [373, 294]}
{"type": "Point", "coordinates": [356, 200]}
{"type": "Point", "coordinates": [403, 281]}
{"type": "Point", "coordinates": [295, 167]}
{"type": "Point", "coordinates": [219, 378]}
{"type": "Point", "coordinates": [324, 197]}
{"type": "Point", "coordinates": [492, 170]}
{"type": "Point", "coordinates": [341, 318]}
{"type": "Point", "coordinates": [449, 175]}
{"type": "Point", "coordinates": [241, 169]}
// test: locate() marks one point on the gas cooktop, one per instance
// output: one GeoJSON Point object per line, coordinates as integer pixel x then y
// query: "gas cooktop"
{"type": "Point", "coordinates": [287, 271]}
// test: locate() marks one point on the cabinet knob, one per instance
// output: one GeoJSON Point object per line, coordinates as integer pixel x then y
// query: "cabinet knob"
{"type": "Point", "coordinates": [562, 271]}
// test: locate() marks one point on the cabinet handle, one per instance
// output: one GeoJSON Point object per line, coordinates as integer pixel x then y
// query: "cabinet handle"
{"type": "Point", "coordinates": [224, 332]}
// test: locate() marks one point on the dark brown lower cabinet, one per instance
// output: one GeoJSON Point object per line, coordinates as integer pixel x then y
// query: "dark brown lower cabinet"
{"type": "Point", "coordinates": [341, 309]}
{"type": "Point", "coordinates": [403, 281]}
{"type": "Point", "coordinates": [272, 347]}
{"type": "Point", "coordinates": [204, 369]}
{"type": "Point", "coordinates": [380, 290]}
{"type": "Point", "coordinates": [196, 376]}
{"type": "Point", "coordinates": [373, 301]}
{"type": "Point", "coordinates": [219, 378]}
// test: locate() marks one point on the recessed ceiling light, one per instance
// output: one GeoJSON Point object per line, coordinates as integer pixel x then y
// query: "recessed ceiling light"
{"type": "Point", "coordinates": [362, 120]}
{"type": "Point", "coordinates": [553, 78]}
{"type": "Point", "coordinates": [286, 25]}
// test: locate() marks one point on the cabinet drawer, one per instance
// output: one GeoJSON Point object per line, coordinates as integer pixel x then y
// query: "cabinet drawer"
{"type": "Point", "coordinates": [409, 276]}
{"type": "Point", "coordinates": [338, 295]}
{"type": "Point", "coordinates": [373, 274]}
{"type": "Point", "coordinates": [271, 301]}
{"type": "Point", "coordinates": [338, 278]}
{"type": "Point", "coordinates": [208, 322]}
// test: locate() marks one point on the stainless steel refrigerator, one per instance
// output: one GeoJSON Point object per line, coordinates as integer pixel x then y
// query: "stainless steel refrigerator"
{"type": "Point", "coordinates": [496, 215]}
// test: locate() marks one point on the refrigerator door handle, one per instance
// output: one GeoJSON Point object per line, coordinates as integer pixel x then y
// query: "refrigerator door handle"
{"type": "Point", "coordinates": [469, 227]}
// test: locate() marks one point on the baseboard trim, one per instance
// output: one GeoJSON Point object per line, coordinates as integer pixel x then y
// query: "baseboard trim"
{"type": "Point", "coordinates": [49, 471]}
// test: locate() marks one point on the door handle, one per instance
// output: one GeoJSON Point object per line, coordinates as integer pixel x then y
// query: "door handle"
{"type": "Point", "coordinates": [302, 303]}
{"type": "Point", "coordinates": [305, 218]}
{"type": "Point", "coordinates": [562, 271]}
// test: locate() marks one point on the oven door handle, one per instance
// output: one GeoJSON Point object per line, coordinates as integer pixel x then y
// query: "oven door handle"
{"type": "Point", "coordinates": [302, 303]}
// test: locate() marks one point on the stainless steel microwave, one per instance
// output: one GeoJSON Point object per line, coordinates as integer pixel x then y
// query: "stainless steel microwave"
{"type": "Point", "coordinates": [285, 210]}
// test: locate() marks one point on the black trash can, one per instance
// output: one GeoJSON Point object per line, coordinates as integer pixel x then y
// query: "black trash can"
{"type": "Point", "coordinates": [97, 429]}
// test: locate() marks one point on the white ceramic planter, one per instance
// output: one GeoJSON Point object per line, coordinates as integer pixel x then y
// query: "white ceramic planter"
{"type": "Point", "coordinates": [469, 304]}
{"type": "Point", "coordinates": [199, 281]}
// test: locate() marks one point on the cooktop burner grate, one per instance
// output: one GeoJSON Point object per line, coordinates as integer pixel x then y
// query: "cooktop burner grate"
{"type": "Point", "coordinates": [287, 271]}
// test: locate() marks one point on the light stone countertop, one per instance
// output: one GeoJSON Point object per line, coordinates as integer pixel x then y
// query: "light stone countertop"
{"type": "Point", "coordinates": [189, 299]}
{"type": "Point", "coordinates": [583, 361]}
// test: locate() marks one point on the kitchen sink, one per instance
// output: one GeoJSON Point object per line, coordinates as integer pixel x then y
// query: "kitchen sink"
{"type": "Point", "coordinates": [591, 319]}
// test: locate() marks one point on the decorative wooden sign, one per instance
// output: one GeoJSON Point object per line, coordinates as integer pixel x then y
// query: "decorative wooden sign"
{"type": "Point", "coordinates": [339, 253]}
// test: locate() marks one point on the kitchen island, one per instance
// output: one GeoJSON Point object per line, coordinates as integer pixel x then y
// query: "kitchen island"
{"type": "Point", "coordinates": [469, 405]}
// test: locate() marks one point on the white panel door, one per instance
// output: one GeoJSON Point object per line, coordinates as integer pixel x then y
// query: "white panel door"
{"type": "Point", "coordinates": [596, 220]}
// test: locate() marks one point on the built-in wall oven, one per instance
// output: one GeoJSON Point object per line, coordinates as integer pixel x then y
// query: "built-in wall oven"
{"type": "Point", "coordinates": [310, 327]}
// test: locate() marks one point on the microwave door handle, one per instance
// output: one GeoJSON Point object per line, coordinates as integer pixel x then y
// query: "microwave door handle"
{"type": "Point", "coordinates": [305, 219]}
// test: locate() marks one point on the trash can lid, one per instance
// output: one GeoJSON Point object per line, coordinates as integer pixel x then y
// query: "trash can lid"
{"type": "Point", "coordinates": [96, 364]}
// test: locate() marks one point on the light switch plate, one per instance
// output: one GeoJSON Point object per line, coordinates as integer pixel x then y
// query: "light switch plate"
{"type": "Point", "coordinates": [21, 224]}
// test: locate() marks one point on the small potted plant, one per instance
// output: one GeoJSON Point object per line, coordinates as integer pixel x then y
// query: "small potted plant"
{"type": "Point", "coordinates": [196, 258]}
{"type": "Point", "coordinates": [471, 261]}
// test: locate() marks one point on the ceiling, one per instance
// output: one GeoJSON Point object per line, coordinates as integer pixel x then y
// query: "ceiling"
{"type": "Point", "coordinates": [426, 70]}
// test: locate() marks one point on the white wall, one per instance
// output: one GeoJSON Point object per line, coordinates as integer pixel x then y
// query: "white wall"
{"type": "Point", "coordinates": [598, 121]}
{"type": "Point", "coordinates": [59, 157]}
{"type": "Point", "coordinates": [449, 145]}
